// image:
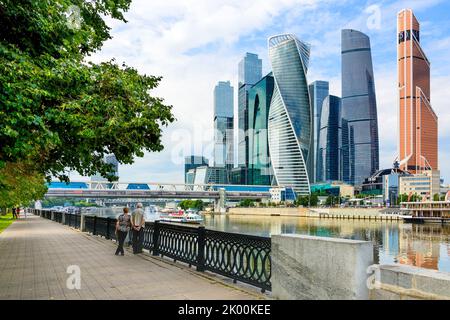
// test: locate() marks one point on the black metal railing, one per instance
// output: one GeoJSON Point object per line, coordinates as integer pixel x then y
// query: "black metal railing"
{"type": "Point", "coordinates": [241, 257]}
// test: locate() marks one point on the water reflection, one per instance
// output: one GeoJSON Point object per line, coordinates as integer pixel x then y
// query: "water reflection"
{"type": "Point", "coordinates": [425, 245]}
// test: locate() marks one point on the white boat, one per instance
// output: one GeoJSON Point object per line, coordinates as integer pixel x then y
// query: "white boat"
{"type": "Point", "coordinates": [181, 216]}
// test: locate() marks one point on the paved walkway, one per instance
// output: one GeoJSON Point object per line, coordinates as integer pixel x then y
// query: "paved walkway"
{"type": "Point", "coordinates": [35, 254]}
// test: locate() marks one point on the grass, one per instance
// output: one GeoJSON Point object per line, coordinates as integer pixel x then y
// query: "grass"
{"type": "Point", "coordinates": [5, 221]}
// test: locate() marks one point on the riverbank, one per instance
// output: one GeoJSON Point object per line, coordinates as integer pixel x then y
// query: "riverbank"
{"type": "Point", "coordinates": [333, 213]}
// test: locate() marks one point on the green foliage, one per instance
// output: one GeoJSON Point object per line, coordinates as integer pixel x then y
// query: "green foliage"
{"type": "Point", "coordinates": [198, 205]}
{"type": "Point", "coordinates": [20, 184]}
{"type": "Point", "coordinates": [5, 221]}
{"type": "Point", "coordinates": [58, 110]}
{"type": "Point", "coordinates": [308, 201]}
{"type": "Point", "coordinates": [246, 203]}
{"type": "Point", "coordinates": [436, 197]}
{"type": "Point", "coordinates": [332, 201]}
{"type": "Point", "coordinates": [408, 198]}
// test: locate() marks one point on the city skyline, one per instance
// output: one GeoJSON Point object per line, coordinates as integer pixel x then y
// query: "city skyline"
{"type": "Point", "coordinates": [324, 65]}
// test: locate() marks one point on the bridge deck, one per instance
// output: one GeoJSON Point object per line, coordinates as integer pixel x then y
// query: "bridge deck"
{"type": "Point", "coordinates": [35, 254]}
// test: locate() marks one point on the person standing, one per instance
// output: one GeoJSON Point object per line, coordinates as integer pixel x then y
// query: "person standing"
{"type": "Point", "coordinates": [14, 213]}
{"type": "Point", "coordinates": [138, 223]}
{"type": "Point", "coordinates": [122, 228]}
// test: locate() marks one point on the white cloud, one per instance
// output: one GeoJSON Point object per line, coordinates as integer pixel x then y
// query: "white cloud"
{"type": "Point", "coordinates": [194, 44]}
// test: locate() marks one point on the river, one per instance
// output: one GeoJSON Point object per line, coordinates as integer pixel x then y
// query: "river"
{"type": "Point", "coordinates": [422, 245]}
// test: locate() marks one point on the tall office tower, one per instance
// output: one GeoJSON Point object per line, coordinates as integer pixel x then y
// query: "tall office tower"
{"type": "Point", "coordinates": [249, 73]}
{"type": "Point", "coordinates": [112, 160]}
{"type": "Point", "coordinates": [193, 162]}
{"type": "Point", "coordinates": [329, 150]}
{"type": "Point", "coordinates": [290, 113]}
{"type": "Point", "coordinates": [360, 146]}
{"type": "Point", "coordinates": [223, 125]}
{"type": "Point", "coordinates": [318, 91]}
{"type": "Point", "coordinates": [259, 98]}
{"type": "Point", "coordinates": [418, 124]}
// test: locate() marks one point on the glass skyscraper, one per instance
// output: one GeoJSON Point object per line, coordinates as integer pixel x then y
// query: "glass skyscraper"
{"type": "Point", "coordinates": [329, 150]}
{"type": "Point", "coordinates": [249, 73]}
{"type": "Point", "coordinates": [318, 91]}
{"type": "Point", "coordinates": [359, 109]}
{"type": "Point", "coordinates": [259, 98]}
{"type": "Point", "coordinates": [192, 162]}
{"type": "Point", "coordinates": [290, 114]}
{"type": "Point", "coordinates": [223, 125]}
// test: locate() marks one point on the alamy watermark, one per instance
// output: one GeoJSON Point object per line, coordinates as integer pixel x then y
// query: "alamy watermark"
{"type": "Point", "coordinates": [73, 282]}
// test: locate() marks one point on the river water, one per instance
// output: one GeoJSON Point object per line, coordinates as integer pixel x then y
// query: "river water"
{"type": "Point", "coordinates": [422, 245]}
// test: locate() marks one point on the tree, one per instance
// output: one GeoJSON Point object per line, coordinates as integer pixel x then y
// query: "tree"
{"type": "Point", "coordinates": [436, 197]}
{"type": "Point", "coordinates": [19, 185]}
{"type": "Point", "coordinates": [246, 203]}
{"type": "Point", "coordinates": [58, 111]}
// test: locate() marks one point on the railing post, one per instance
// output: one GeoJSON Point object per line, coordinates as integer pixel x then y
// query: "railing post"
{"type": "Point", "coordinates": [108, 221]}
{"type": "Point", "coordinates": [201, 248]}
{"type": "Point", "coordinates": [63, 218]}
{"type": "Point", "coordinates": [82, 223]}
{"type": "Point", "coordinates": [94, 231]}
{"type": "Point", "coordinates": [52, 215]}
{"type": "Point", "coordinates": [156, 238]}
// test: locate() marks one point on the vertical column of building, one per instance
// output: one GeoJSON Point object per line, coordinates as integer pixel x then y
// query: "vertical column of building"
{"type": "Point", "coordinates": [249, 73]}
{"type": "Point", "coordinates": [418, 134]}
{"type": "Point", "coordinates": [223, 125]}
{"type": "Point", "coordinates": [359, 109]}
{"type": "Point", "coordinates": [318, 91]}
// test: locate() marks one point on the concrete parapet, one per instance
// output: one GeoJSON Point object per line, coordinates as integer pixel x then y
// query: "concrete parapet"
{"type": "Point", "coordinates": [319, 268]}
{"type": "Point", "coordinates": [402, 282]}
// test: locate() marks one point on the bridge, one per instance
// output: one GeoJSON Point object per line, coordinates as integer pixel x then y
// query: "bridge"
{"type": "Point", "coordinates": [153, 190]}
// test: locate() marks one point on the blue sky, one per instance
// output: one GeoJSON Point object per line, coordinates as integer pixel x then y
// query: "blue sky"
{"type": "Point", "coordinates": [193, 44]}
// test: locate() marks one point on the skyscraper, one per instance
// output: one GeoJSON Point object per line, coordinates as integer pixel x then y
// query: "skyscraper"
{"type": "Point", "coordinates": [418, 124]}
{"type": "Point", "coordinates": [318, 90]}
{"type": "Point", "coordinates": [290, 112]}
{"type": "Point", "coordinates": [192, 162]}
{"type": "Point", "coordinates": [259, 98]}
{"type": "Point", "coordinates": [359, 109]}
{"type": "Point", "coordinates": [249, 73]}
{"type": "Point", "coordinates": [329, 150]}
{"type": "Point", "coordinates": [223, 125]}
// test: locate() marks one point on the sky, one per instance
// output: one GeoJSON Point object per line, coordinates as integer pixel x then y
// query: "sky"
{"type": "Point", "coordinates": [193, 44]}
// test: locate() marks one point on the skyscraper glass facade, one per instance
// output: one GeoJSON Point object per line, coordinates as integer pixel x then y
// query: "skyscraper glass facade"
{"type": "Point", "coordinates": [290, 113]}
{"type": "Point", "coordinates": [249, 73]}
{"type": "Point", "coordinates": [259, 98]}
{"type": "Point", "coordinates": [192, 162]}
{"type": "Point", "coordinates": [359, 109]}
{"type": "Point", "coordinates": [223, 125]}
{"type": "Point", "coordinates": [249, 69]}
{"type": "Point", "coordinates": [329, 151]}
{"type": "Point", "coordinates": [318, 91]}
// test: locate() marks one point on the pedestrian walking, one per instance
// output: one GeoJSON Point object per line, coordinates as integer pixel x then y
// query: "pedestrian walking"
{"type": "Point", "coordinates": [122, 229]}
{"type": "Point", "coordinates": [14, 213]}
{"type": "Point", "coordinates": [138, 223]}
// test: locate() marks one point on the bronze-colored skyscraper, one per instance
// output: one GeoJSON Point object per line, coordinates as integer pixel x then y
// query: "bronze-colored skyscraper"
{"type": "Point", "coordinates": [418, 124]}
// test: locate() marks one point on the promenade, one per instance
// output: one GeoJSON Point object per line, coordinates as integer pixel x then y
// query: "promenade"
{"type": "Point", "coordinates": [35, 254]}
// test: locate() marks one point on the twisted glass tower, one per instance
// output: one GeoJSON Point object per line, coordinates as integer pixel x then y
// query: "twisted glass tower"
{"type": "Point", "coordinates": [289, 125]}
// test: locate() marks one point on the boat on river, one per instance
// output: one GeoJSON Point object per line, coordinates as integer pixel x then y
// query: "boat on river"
{"type": "Point", "coordinates": [180, 216]}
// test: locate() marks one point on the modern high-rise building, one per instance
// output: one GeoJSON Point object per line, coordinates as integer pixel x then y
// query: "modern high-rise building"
{"type": "Point", "coordinates": [192, 162]}
{"type": "Point", "coordinates": [329, 150]}
{"type": "Point", "coordinates": [223, 125]}
{"type": "Point", "coordinates": [360, 146]}
{"type": "Point", "coordinates": [290, 114]}
{"type": "Point", "coordinates": [318, 91]}
{"type": "Point", "coordinates": [259, 98]}
{"type": "Point", "coordinates": [418, 123]}
{"type": "Point", "coordinates": [250, 72]}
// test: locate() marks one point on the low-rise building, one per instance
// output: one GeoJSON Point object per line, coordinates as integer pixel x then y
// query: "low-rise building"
{"type": "Point", "coordinates": [425, 184]}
